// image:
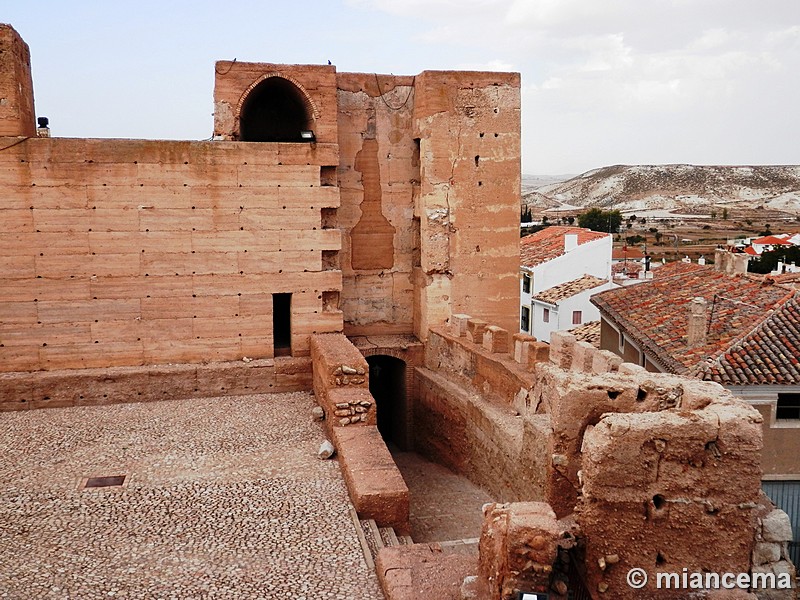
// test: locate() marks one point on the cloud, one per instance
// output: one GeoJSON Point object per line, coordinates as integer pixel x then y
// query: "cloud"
{"type": "Point", "coordinates": [628, 79]}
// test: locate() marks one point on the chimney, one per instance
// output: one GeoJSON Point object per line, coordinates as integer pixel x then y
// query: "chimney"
{"type": "Point", "coordinates": [696, 327]}
{"type": "Point", "coordinates": [570, 241]}
{"type": "Point", "coordinates": [740, 263]}
{"type": "Point", "coordinates": [721, 260]}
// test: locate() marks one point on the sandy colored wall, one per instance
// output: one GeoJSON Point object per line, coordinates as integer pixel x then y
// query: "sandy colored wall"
{"type": "Point", "coordinates": [464, 418]}
{"type": "Point", "coordinates": [119, 252]}
{"type": "Point", "coordinates": [780, 445]}
{"type": "Point", "coordinates": [378, 174]}
{"type": "Point", "coordinates": [16, 85]}
{"type": "Point", "coordinates": [469, 130]}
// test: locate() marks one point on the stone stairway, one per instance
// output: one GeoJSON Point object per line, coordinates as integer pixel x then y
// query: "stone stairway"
{"type": "Point", "coordinates": [373, 538]}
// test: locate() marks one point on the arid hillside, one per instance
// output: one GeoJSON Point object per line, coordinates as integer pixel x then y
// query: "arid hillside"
{"type": "Point", "coordinates": [677, 189]}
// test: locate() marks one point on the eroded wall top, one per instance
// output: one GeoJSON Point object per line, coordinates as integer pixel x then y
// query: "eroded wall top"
{"type": "Point", "coordinates": [16, 85]}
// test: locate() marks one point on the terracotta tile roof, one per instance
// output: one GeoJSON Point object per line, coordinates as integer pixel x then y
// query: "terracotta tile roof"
{"type": "Point", "coordinates": [588, 332]}
{"type": "Point", "coordinates": [769, 354]}
{"type": "Point", "coordinates": [548, 243]}
{"type": "Point", "coordinates": [772, 240]}
{"type": "Point", "coordinates": [787, 278]}
{"type": "Point", "coordinates": [752, 335]}
{"type": "Point", "coordinates": [627, 267]}
{"type": "Point", "coordinates": [557, 293]}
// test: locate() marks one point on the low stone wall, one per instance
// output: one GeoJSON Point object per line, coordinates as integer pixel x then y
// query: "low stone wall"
{"type": "Point", "coordinates": [488, 443]}
{"type": "Point", "coordinates": [494, 373]}
{"type": "Point", "coordinates": [341, 381]}
{"type": "Point", "coordinates": [89, 387]}
{"type": "Point", "coordinates": [376, 486]}
{"type": "Point", "coordinates": [341, 386]}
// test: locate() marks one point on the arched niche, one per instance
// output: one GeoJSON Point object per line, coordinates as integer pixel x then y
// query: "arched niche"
{"type": "Point", "coordinates": [275, 109]}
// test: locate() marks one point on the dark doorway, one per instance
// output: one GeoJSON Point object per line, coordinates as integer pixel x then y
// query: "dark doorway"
{"type": "Point", "coordinates": [274, 112]}
{"type": "Point", "coordinates": [387, 384]}
{"type": "Point", "coordinates": [282, 324]}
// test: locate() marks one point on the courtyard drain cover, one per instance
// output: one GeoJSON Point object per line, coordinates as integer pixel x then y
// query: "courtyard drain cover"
{"type": "Point", "coordinates": [103, 482]}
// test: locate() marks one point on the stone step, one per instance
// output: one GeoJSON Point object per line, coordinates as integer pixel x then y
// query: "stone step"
{"type": "Point", "coordinates": [373, 538]}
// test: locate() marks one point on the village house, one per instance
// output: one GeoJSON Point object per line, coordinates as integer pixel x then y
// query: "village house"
{"type": "Point", "coordinates": [560, 268]}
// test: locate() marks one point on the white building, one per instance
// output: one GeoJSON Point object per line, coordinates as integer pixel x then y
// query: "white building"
{"type": "Point", "coordinates": [561, 268]}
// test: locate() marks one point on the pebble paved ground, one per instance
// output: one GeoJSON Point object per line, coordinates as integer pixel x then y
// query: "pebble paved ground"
{"type": "Point", "coordinates": [444, 506]}
{"type": "Point", "coordinates": [225, 499]}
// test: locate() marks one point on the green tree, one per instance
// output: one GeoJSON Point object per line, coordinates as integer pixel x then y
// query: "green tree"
{"type": "Point", "coordinates": [768, 261]}
{"type": "Point", "coordinates": [526, 216]}
{"type": "Point", "coordinates": [597, 219]}
{"type": "Point", "coordinates": [724, 213]}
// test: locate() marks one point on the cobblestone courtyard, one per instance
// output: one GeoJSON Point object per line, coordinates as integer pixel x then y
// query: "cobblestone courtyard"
{"type": "Point", "coordinates": [225, 498]}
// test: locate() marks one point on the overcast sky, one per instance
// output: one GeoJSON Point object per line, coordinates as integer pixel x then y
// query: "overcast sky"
{"type": "Point", "coordinates": [604, 81]}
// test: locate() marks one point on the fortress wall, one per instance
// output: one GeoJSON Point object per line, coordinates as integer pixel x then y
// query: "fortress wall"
{"type": "Point", "coordinates": [17, 117]}
{"type": "Point", "coordinates": [126, 252]}
{"type": "Point", "coordinates": [468, 125]}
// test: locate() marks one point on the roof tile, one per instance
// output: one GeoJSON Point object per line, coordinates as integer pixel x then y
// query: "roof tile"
{"type": "Point", "coordinates": [548, 243]}
{"type": "Point", "coordinates": [751, 333]}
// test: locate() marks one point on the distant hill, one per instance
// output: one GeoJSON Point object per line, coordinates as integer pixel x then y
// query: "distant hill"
{"type": "Point", "coordinates": [686, 189]}
{"type": "Point", "coordinates": [534, 182]}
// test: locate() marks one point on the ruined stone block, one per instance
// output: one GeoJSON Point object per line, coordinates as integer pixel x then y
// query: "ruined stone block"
{"type": "Point", "coordinates": [458, 325]}
{"type": "Point", "coordinates": [373, 481]}
{"type": "Point", "coordinates": [776, 527]}
{"type": "Point", "coordinates": [475, 330]}
{"type": "Point", "coordinates": [627, 368]}
{"type": "Point", "coordinates": [519, 342]}
{"type": "Point", "coordinates": [562, 344]}
{"type": "Point", "coordinates": [518, 546]}
{"type": "Point", "coordinates": [605, 361]}
{"type": "Point", "coordinates": [535, 352]}
{"type": "Point", "coordinates": [766, 552]}
{"type": "Point", "coordinates": [495, 339]}
{"type": "Point", "coordinates": [583, 357]}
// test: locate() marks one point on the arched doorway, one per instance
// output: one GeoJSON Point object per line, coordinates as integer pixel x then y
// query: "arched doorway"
{"type": "Point", "coordinates": [387, 384]}
{"type": "Point", "coordinates": [274, 111]}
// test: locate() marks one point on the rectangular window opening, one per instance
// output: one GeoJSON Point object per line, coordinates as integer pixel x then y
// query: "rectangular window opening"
{"type": "Point", "coordinates": [282, 324]}
{"type": "Point", "coordinates": [328, 176]}
{"type": "Point", "coordinates": [577, 317]}
{"type": "Point", "coordinates": [546, 315]}
{"type": "Point", "coordinates": [526, 284]}
{"type": "Point", "coordinates": [525, 319]}
{"type": "Point", "coordinates": [788, 407]}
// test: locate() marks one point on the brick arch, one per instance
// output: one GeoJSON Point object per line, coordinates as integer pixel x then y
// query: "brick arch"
{"type": "Point", "coordinates": [408, 358]}
{"type": "Point", "coordinates": [308, 102]}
